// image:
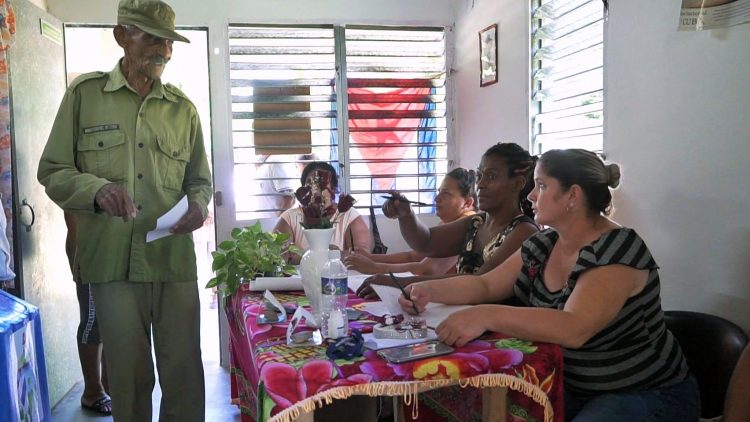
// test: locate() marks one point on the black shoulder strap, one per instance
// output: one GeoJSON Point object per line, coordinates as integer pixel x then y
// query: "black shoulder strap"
{"type": "Point", "coordinates": [378, 247]}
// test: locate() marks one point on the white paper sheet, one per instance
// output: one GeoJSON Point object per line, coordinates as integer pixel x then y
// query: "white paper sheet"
{"type": "Point", "coordinates": [278, 307]}
{"type": "Point", "coordinates": [299, 315]}
{"type": "Point", "coordinates": [389, 296]}
{"type": "Point", "coordinates": [275, 284]}
{"type": "Point", "coordinates": [433, 315]}
{"type": "Point", "coordinates": [356, 279]}
{"type": "Point", "coordinates": [166, 221]}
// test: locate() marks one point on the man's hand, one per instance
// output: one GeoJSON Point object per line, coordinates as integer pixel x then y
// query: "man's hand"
{"type": "Point", "coordinates": [114, 200]}
{"type": "Point", "coordinates": [192, 220]}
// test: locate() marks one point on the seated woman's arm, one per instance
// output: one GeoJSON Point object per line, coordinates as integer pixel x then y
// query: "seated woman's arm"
{"type": "Point", "coordinates": [598, 297]}
{"type": "Point", "coordinates": [367, 263]}
{"type": "Point", "coordinates": [436, 266]}
{"type": "Point", "coordinates": [510, 245]}
{"type": "Point", "coordinates": [494, 286]}
{"type": "Point", "coordinates": [282, 226]}
{"type": "Point", "coordinates": [366, 291]}
{"type": "Point", "coordinates": [425, 266]}
{"type": "Point", "coordinates": [358, 231]}
{"type": "Point", "coordinates": [395, 258]}
{"type": "Point", "coordinates": [439, 242]}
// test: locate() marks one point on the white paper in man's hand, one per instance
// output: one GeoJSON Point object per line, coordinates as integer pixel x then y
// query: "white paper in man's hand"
{"type": "Point", "coordinates": [168, 220]}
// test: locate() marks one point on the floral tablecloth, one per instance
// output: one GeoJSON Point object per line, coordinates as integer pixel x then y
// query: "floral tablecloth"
{"type": "Point", "coordinates": [275, 382]}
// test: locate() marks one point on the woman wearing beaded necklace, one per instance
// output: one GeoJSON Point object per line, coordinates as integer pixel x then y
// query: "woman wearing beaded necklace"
{"type": "Point", "coordinates": [456, 198]}
{"type": "Point", "coordinates": [484, 240]}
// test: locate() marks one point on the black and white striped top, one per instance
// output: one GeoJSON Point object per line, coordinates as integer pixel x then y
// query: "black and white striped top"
{"type": "Point", "coordinates": [635, 351]}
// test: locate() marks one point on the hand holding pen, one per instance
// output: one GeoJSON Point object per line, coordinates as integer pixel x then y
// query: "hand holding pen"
{"type": "Point", "coordinates": [405, 296]}
{"type": "Point", "coordinates": [403, 198]}
{"type": "Point", "coordinates": [396, 205]}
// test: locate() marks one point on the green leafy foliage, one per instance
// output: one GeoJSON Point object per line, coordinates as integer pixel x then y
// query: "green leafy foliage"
{"type": "Point", "coordinates": [250, 253]}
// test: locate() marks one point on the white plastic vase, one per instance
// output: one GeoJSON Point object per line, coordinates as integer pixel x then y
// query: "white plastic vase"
{"type": "Point", "coordinates": [312, 263]}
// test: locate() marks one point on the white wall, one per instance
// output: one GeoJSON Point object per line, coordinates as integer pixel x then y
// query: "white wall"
{"type": "Point", "coordinates": [498, 112]}
{"type": "Point", "coordinates": [42, 4]}
{"type": "Point", "coordinates": [676, 119]}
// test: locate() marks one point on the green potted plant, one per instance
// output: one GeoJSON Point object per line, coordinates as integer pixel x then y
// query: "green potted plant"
{"type": "Point", "coordinates": [250, 253]}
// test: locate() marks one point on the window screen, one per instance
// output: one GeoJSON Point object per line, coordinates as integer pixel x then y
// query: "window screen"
{"type": "Point", "coordinates": [387, 132]}
{"type": "Point", "coordinates": [567, 74]}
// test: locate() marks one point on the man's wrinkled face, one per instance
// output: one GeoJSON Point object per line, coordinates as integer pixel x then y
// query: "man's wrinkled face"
{"type": "Point", "coordinates": [146, 53]}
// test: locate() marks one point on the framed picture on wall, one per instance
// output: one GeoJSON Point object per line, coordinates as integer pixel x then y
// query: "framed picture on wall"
{"type": "Point", "coordinates": [488, 55]}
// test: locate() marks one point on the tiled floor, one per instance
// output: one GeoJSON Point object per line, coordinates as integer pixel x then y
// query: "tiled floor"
{"type": "Point", "coordinates": [218, 407]}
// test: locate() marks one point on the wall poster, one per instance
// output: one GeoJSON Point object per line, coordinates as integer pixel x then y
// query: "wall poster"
{"type": "Point", "coordinates": [697, 15]}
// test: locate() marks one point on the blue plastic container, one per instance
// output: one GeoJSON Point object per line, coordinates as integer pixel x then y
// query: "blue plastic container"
{"type": "Point", "coordinates": [23, 372]}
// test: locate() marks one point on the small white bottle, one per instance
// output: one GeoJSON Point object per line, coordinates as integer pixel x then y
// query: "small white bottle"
{"type": "Point", "coordinates": [334, 294]}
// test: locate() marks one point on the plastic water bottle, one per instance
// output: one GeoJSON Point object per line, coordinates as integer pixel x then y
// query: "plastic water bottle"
{"type": "Point", "coordinates": [334, 278]}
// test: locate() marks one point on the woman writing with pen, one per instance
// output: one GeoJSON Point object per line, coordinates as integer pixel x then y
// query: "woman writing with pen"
{"type": "Point", "coordinates": [481, 241]}
{"type": "Point", "coordinates": [456, 198]}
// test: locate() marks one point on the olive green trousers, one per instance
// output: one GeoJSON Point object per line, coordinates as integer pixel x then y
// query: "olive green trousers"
{"type": "Point", "coordinates": [131, 314]}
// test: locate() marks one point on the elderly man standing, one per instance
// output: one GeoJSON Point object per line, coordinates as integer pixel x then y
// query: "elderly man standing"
{"type": "Point", "coordinates": [123, 150]}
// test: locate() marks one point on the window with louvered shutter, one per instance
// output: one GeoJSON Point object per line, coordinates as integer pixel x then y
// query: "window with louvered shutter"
{"type": "Point", "coordinates": [283, 107]}
{"type": "Point", "coordinates": [396, 112]}
{"type": "Point", "coordinates": [567, 74]}
{"type": "Point", "coordinates": [388, 132]}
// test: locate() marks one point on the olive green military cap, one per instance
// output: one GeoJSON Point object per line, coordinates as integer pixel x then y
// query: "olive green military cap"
{"type": "Point", "coordinates": [152, 16]}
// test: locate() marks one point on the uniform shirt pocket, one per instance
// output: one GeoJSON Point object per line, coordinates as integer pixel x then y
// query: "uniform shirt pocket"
{"type": "Point", "coordinates": [172, 160]}
{"type": "Point", "coordinates": [102, 154]}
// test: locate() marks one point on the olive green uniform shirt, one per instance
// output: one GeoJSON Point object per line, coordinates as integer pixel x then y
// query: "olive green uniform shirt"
{"type": "Point", "coordinates": [105, 132]}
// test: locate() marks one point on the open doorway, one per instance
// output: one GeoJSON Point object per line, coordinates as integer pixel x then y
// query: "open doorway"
{"type": "Point", "coordinates": [93, 48]}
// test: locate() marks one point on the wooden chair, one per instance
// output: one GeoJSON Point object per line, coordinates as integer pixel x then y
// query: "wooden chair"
{"type": "Point", "coordinates": [712, 345]}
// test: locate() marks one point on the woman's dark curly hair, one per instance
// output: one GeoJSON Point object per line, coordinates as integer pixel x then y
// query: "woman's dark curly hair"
{"type": "Point", "coordinates": [519, 162]}
{"type": "Point", "coordinates": [467, 182]}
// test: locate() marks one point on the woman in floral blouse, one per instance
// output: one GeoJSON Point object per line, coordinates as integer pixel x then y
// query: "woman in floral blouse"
{"type": "Point", "coordinates": [482, 241]}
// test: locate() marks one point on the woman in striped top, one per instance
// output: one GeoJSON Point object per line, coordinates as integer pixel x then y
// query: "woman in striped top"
{"type": "Point", "coordinates": [589, 285]}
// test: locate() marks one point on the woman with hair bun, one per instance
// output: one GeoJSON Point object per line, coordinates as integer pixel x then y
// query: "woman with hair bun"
{"type": "Point", "coordinates": [588, 284]}
{"type": "Point", "coordinates": [484, 240]}
{"type": "Point", "coordinates": [456, 198]}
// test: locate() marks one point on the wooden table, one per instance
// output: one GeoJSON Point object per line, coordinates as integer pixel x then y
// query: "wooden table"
{"type": "Point", "coordinates": [275, 382]}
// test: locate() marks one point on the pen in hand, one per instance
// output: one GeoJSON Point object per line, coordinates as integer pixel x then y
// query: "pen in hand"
{"type": "Point", "coordinates": [406, 295]}
{"type": "Point", "coordinates": [396, 198]}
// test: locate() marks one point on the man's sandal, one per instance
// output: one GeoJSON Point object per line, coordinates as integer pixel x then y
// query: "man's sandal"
{"type": "Point", "coordinates": [103, 406]}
